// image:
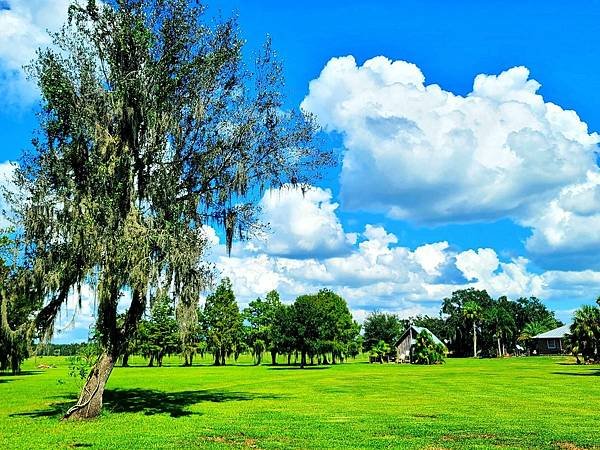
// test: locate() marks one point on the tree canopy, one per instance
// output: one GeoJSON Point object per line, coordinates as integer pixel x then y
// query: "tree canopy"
{"type": "Point", "coordinates": [151, 127]}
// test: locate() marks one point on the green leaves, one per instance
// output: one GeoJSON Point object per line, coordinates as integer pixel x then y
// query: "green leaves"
{"type": "Point", "coordinates": [222, 322]}
{"type": "Point", "coordinates": [427, 351]}
{"type": "Point", "coordinates": [151, 127]}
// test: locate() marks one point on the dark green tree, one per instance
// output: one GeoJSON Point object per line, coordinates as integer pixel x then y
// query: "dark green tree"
{"type": "Point", "coordinates": [260, 316]}
{"type": "Point", "coordinates": [337, 328]}
{"type": "Point", "coordinates": [159, 335]}
{"type": "Point", "coordinates": [501, 323]}
{"type": "Point", "coordinates": [585, 333]}
{"type": "Point", "coordinates": [463, 312]}
{"type": "Point", "coordinates": [150, 127]}
{"type": "Point", "coordinates": [222, 322]}
{"type": "Point", "coordinates": [283, 331]}
{"type": "Point", "coordinates": [306, 323]}
{"type": "Point", "coordinates": [384, 327]}
{"type": "Point", "coordinates": [437, 325]}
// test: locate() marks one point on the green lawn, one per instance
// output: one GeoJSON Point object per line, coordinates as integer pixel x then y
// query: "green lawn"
{"type": "Point", "coordinates": [510, 403]}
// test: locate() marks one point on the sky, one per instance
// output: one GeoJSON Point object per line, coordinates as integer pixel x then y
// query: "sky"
{"type": "Point", "coordinates": [467, 142]}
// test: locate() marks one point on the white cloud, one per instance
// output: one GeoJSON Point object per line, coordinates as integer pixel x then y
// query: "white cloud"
{"type": "Point", "coordinates": [420, 153]}
{"type": "Point", "coordinates": [302, 224]}
{"type": "Point", "coordinates": [485, 271]}
{"type": "Point", "coordinates": [431, 257]}
{"type": "Point", "coordinates": [23, 29]}
{"type": "Point", "coordinates": [380, 274]}
{"type": "Point", "coordinates": [566, 231]}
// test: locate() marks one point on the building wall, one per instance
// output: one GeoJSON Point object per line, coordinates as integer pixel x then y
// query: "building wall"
{"type": "Point", "coordinates": [549, 346]}
{"type": "Point", "coordinates": [403, 347]}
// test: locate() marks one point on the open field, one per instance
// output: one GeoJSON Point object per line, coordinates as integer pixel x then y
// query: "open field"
{"type": "Point", "coordinates": [511, 403]}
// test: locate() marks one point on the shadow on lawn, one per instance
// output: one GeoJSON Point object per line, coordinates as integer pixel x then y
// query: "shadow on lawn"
{"type": "Point", "coordinates": [271, 367]}
{"type": "Point", "coordinates": [5, 377]}
{"type": "Point", "coordinates": [589, 373]}
{"type": "Point", "coordinates": [151, 402]}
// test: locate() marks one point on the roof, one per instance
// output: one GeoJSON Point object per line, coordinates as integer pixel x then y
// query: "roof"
{"type": "Point", "coordinates": [418, 330]}
{"type": "Point", "coordinates": [557, 333]}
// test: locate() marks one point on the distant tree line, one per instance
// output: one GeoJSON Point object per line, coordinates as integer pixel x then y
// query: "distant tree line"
{"type": "Point", "coordinates": [314, 328]}
{"type": "Point", "coordinates": [470, 323]}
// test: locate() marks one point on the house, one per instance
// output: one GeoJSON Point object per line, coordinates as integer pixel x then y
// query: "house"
{"type": "Point", "coordinates": [551, 342]}
{"type": "Point", "coordinates": [406, 341]}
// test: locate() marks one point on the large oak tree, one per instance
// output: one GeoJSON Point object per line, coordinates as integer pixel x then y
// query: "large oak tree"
{"type": "Point", "coordinates": [150, 128]}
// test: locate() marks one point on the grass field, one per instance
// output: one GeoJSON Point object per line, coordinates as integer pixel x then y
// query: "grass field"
{"type": "Point", "coordinates": [510, 403]}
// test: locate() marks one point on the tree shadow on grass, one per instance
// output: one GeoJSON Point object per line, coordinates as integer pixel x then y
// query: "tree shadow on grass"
{"type": "Point", "coordinates": [5, 377]}
{"type": "Point", "coordinates": [151, 402]}
{"type": "Point", "coordinates": [298, 368]}
{"type": "Point", "coordinates": [587, 373]}
{"type": "Point", "coordinates": [22, 373]}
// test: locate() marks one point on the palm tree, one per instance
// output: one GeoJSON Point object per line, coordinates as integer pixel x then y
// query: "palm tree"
{"type": "Point", "coordinates": [585, 332]}
{"type": "Point", "coordinates": [530, 330]}
{"type": "Point", "coordinates": [502, 324]}
{"type": "Point", "coordinates": [472, 312]}
{"type": "Point", "coordinates": [380, 350]}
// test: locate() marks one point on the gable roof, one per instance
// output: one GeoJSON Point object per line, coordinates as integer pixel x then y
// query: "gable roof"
{"type": "Point", "coordinates": [418, 330]}
{"type": "Point", "coordinates": [557, 333]}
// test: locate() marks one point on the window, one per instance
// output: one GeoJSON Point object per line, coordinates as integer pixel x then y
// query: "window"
{"type": "Point", "coordinates": [551, 344]}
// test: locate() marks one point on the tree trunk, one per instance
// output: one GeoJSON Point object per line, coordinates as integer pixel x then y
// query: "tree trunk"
{"type": "Point", "coordinates": [289, 359]}
{"type": "Point", "coordinates": [191, 359]}
{"type": "Point", "coordinates": [474, 340]}
{"type": "Point", "coordinates": [303, 360]}
{"type": "Point", "coordinates": [274, 357]}
{"type": "Point", "coordinates": [151, 363]}
{"type": "Point", "coordinates": [125, 360]}
{"type": "Point", "coordinates": [222, 358]}
{"type": "Point", "coordinates": [89, 404]}
{"type": "Point", "coordinates": [217, 357]}
{"type": "Point", "coordinates": [499, 348]}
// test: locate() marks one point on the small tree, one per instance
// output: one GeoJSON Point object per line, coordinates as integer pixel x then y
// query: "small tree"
{"type": "Point", "coordinates": [222, 322]}
{"type": "Point", "coordinates": [380, 326]}
{"type": "Point", "coordinates": [261, 316]}
{"type": "Point", "coordinates": [472, 313]}
{"type": "Point", "coordinates": [306, 322]}
{"type": "Point", "coordinates": [284, 331]}
{"type": "Point", "coordinates": [160, 334]}
{"type": "Point", "coordinates": [585, 333]}
{"type": "Point", "coordinates": [380, 350]}
{"type": "Point", "coordinates": [426, 351]}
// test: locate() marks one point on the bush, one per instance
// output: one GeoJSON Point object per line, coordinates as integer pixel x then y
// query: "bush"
{"type": "Point", "coordinates": [427, 351]}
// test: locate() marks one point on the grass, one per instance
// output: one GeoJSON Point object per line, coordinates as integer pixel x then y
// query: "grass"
{"type": "Point", "coordinates": [546, 403]}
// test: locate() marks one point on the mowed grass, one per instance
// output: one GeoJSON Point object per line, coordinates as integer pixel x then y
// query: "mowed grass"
{"type": "Point", "coordinates": [534, 402]}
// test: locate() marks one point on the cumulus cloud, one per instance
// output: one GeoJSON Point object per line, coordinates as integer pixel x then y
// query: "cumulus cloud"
{"type": "Point", "coordinates": [378, 273]}
{"type": "Point", "coordinates": [420, 153]}
{"type": "Point", "coordinates": [484, 270]}
{"type": "Point", "coordinates": [566, 231]}
{"type": "Point", "coordinates": [23, 29]}
{"type": "Point", "coordinates": [302, 224]}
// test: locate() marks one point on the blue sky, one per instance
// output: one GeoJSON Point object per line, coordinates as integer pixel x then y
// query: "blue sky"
{"type": "Point", "coordinates": [461, 163]}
